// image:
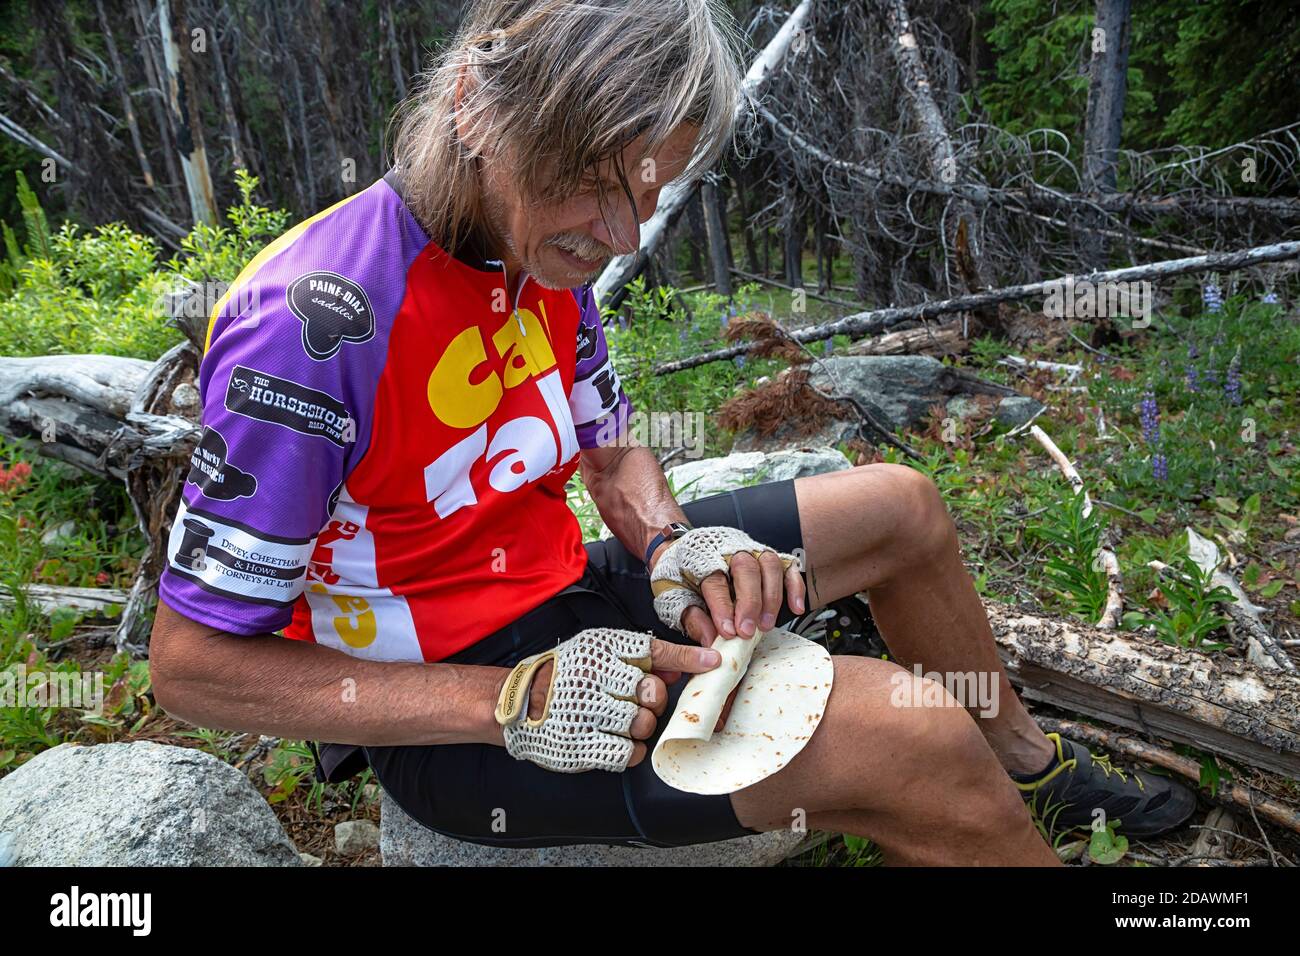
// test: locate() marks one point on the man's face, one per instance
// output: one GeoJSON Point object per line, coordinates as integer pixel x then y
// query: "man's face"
{"type": "Point", "coordinates": [567, 243]}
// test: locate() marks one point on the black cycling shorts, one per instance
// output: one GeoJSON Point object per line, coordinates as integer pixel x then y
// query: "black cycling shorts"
{"type": "Point", "coordinates": [461, 790]}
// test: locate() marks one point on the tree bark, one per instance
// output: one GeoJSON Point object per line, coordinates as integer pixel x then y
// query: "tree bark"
{"type": "Point", "coordinates": [1211, 701]}
{"type": "Point", "coordinates": [227, 103]}
{"type": "Point", "coordinates": [119, 82]}
{"type": "Point", "coordinates": [1107, 89]}
{"type": "Point", "coordinates": [186, 120]}
{"type": "Point", "coordinates": [153, 71]}
{"type": "Point", "coordinates": [716, 227]}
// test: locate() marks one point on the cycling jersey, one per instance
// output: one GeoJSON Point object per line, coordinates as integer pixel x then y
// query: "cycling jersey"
{"type": "Point", "coordinates": [386, 441]}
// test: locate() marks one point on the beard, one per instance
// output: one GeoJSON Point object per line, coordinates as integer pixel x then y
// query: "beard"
{"type": "Point", "coordinates": [557, 277]}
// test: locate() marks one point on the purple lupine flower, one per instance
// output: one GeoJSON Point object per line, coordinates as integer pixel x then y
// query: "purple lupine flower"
{"type": "Point", "coordinates": [1193, 353]}
{"type": "Point", "coordinates": [1269, 298]}
{"type": "Point", "coordinates": [1232, 387]}
{"type": "Point", "coordinates": [1149, 412]}
{"type": "Point", "coordinates": [1212, 296]}
{"type": "Point", "coordinates": [1210, 376]}
{"type": "Point", "coordinates": [1159, 467]}
{"type": "Point", "coordinates": [1219, 339]}
{"type": "Point", "coordinates": [1193, 384]}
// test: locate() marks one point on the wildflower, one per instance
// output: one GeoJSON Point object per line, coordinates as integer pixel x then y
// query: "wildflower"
{"type": "Point", "coordinates": [1232, 386]}
{"type": "Point", "coordinates": [1150, 415]}
{"type": "Point", "coordinates": [1193, 385]}
{"type": "Point", "coordinates": [1212, 297]}
{"type": "Point", "coordinates": [12, 478]}
{"type": "Point", "coordinates": [1269, 298]}
{"type": "Point", "coordinates": [1159, 467]}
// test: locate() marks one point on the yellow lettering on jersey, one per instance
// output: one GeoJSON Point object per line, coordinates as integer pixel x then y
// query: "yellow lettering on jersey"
{"type": "Point", "coordinates": [451, 395]}
{"type": "Point", "coordinates": [525, 355]}
{"type": "Point", "coordinates": [357, 628]}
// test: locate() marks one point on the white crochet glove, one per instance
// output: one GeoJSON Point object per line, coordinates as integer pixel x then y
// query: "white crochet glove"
{"type": "Point", "coordinates": [586, 722]}
{"type": "Point", "coordinates": [676, 579]}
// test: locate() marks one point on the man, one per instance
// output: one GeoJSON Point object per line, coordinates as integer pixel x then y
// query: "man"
{"type": "Point", "coordinates": [395, 394]}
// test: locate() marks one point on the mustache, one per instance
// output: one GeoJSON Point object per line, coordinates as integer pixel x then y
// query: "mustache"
{"type": "Point", "coordinates": [584, 247]}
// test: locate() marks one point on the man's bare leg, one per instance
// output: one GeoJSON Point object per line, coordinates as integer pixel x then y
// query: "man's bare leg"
{"type": "Point", "coordinates": [884, 529]}
{"type": "Point", "coordinates": [919, 781]}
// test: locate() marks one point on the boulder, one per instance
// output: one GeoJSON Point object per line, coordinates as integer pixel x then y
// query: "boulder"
{"type": "Point", "coordinates": [136, 804]}
{"type": "Point", "coordinates": [405, 842]}
{"type": "Point", "coordinates": [710, 476]}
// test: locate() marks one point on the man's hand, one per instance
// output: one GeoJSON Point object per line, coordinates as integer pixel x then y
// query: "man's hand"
{"type": "Point", "coordinates": [668, 663]}
{"type": "Point", "coordinates": [746, 599]}
{"type": "Point", "coordinates": [752, 590]}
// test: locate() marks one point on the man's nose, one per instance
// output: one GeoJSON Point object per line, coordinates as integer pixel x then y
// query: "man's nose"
{"type": "Point", "coordinates": [622, 234]}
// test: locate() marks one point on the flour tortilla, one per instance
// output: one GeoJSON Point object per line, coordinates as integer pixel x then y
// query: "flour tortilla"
{"type": "Point", "coordinates": [784, 680]}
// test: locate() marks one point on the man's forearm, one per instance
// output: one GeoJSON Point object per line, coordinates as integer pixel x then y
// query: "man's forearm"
{"type": "Point", "coordinates": [633, 497]}
{"type": "Point", "coordinates": [302, 691]}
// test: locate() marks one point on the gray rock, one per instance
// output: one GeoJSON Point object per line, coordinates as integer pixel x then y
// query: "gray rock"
{"type": "Point", "coordinates": [354, 837]}
{"type": "Point", "coordinates": [710, 476]}
{"type": "Point", "coordinates": [962, 407]}
{"type": "Point", "coordinates": [1014, 410]}
{"type": "Point", "coordinates": [404, 842]}
{"type": "Point", "coordinates": [309, 860]}
{"type": "Point", "coordinates": [137, 804]}
{"type": "Point", "coordinates": [58, 535]}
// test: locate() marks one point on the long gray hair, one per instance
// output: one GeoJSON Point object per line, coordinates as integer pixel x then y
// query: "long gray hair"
{"type": "Point", "coordinates": [563, 86]}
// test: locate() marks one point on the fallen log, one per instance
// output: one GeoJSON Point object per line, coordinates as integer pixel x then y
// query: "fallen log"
{"type": "Point", "coordinates": [50, 597]}
{"type": "Point", "coordinates": [1214, 702]}
{"type": "Point", "coordinates": [875, 321]}
{"type": "Point", "coordinates": [944, 339]}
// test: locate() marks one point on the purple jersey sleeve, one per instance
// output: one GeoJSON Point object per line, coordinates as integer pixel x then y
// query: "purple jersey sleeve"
{"type": "Point", "coordinates": [287, 384]}
{"type": "Point", "coordinates": [600, 407]}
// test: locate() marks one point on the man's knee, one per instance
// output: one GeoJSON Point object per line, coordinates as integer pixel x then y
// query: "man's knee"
{"type": "Point", "coordinates": [921, 528]}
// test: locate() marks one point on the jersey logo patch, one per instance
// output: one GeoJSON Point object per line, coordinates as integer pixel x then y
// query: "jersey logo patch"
{"type": "Point", "coordinates": [333, 310]}
{"type": "Point", "coordinates": [268, 398]}
{"type": "Point", "coordinates": [213, 474]}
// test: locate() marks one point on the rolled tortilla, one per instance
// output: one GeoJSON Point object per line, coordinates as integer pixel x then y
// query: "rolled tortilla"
{"type": "Point", "coordinates": [784, 681]}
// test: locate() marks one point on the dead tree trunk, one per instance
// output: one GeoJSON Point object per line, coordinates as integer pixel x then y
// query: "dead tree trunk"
{"type": "Point", "coordinates": [716, 227]}
{"type": "Point", "coordinates": [153, 72]}
{"type": "Point", "coordinates": [698, 235]}
{"type": "Point", "coordinates": [227, 104]}
{"type": "Point", "coordinates": [741, 179]}
{"type": "Point", "coordinates": [794, 227]}
{"type": "Point", "coordinates": [941, 159]}
{"type": "Point", "coordinates": [186, 120]}
{"type": "Point", "coordinates": [128, 110]}
{"type": "Point", "coordinates": [1107, 89]}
